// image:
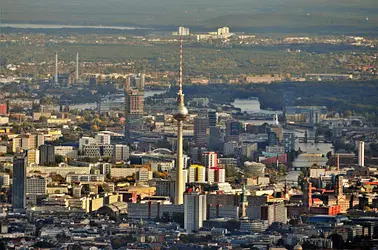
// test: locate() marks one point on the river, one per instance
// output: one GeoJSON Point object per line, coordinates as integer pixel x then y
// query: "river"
{"type": "Point", "coordinates": [63, 26]}
{"type": "Point", "coordinates": [305, 160]}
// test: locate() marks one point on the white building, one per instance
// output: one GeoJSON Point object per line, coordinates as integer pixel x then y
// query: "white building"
{"type": "Point", "coordinates": [36, 185]}
{"type": "Point", "coordinates": [194, 211]}
{"type": "Point", "coordinates": [102, 138]}
{"type": "Point", "coordinates": [210, 159]}
{"type": "Point", "coordinates": [144, 175]}
{"type": "Point", "coordinates": [85, 178]}
{"type": "Point", "coordinates": [182, 31]}
{"type": "Point", "coordinates": [223, 31]}
{"type": "Point", "coordinates": [86, 141]}
{"type": "Point", "coordinates": [66, 151]}
{"type": "Point", "coordinates": [97, 151]}
{"type": "Point", "coordinates": [123, 172]}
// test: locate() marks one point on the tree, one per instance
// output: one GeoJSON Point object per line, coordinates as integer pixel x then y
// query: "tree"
{"type": "Point", "coordinates": [59, 159]}
{"type": "Point", "coordinates": [43, 244]}
{"type": "Point", "coordinates": [165, 217]}
{"type": "Point", "coordinates": [337, 240]}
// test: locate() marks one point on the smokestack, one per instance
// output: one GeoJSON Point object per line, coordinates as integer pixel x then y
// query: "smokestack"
{"type": "Point", "coordinates": [338, 162]}
{"type": "Point", "coordinates": [77, 66]}
{"type": "Point", "coordinates": [361, 154]}
{"type": "Point", "coordinates": [56, 68]}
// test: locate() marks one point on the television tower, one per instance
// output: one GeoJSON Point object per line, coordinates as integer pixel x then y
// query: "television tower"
{"type": "Point", "coordinates": [77, 67]}
{"type": "Point", "coordinates": [180, 116]}
{"type": "Point", "coordinates": [56, 68]}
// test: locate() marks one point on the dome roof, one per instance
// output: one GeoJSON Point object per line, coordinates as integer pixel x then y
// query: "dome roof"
{"type": "Point", "coordinates": [298, 247]}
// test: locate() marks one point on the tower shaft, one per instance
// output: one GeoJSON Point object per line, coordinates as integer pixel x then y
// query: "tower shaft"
{"type": "Point", "coordinates": [77, 66]}
{"type": "Point", "coordinates": [179, 199]}
{"type": "Point", "coordinates": [56, 68]}
{"type": "Point", "coordinates": [180, 116]}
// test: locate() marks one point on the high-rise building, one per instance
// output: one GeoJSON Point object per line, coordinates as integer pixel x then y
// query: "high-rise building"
{"type": "Point", "coordinates": [233, 130]}
{"type": "Point", "coordinates": [183, 31]}
{"type": "Point", "coordinates": [201, 133]}
{"type": "Point", "coordinates": [3, 109]}
{"type": "Point", "coordinates": [16, 144]}
{"type": "Point", "coordinates": [102, 138]}
{"type": "Point", "coordinates": [121, 152]}
{"type": "Point", "coordinates": [361, 154]}
{"type": "Point", "coordinates": [134, 105]}
{"type": "Point", "coordinates": [28, 141]}
{"type": "Point", "coordinates": [223, 31]}
{"type": "Point", "coordinates": [215, 174]}
{"type": "Point", "coordinates": [86, 141]}
{"type": "Point", "coordinates": [46, 154]}
{"type": "Point", "coordinates": [19, 182]}
{"type": "Point", "coordinates": [4, 180]}
{"type": "Point", "coordinates": [194, 211]}
{"type": "Point", "coordinates": [36, 184]}
{"type": "Point", "coordinates": [180, 116]}
{"type": "Point", "coordinates": [33, 156]}
{"type": "Point", "coordinates": [213, 119]}
{"type": "Point", "coordinates": [210, 159]}
{"type": "Point", "coordinates": [197, 173]}
{"type": "Point", "coordinates": [289, 142]}
{"type": "Point", "coordinates": [140, 82]}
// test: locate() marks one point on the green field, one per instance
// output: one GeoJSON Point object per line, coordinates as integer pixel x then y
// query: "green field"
{"type": "Point", "coordinates": [256, 15]}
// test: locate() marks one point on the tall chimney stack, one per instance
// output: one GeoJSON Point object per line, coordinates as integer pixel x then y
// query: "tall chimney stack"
{"type": "Point", "coordinates": [77, 66]}
{"type": "Point", "coordinates": [338, 162]}
{"type": "Point", "coordinates": [361, 154]}
{"type": "Point", "coordinates": [56, 68]}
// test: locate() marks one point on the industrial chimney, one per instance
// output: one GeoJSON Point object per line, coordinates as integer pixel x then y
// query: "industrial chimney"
{"type": "Point", "coordinates": [361, 154]}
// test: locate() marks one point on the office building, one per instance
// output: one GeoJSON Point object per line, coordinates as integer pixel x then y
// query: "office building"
{"type": "Point", "coordinates": [86, 141]}
{"type": "Point", "coordinates": [144, 175]}
{"type": "Point", "coordinates": [233, 130]}
{"type": "Point", "coordinates": [98, 151]}
{"type": "Point", "coordinates": [210, 159]}
{"type": "Point", "coordinates": [102, 138]}
{"type": "Point", "coordinates": [46, 155]}
{"type": "Point", "coordinates": [194, 211]}
{"type": "Point", "coordinates": [230, 147]}
{"type": "Point", "coordinates": [85, 178]}
{"type": "Point", "coordinates": [36, 184]}
{"type": "Point", "coordinates": [306, 114]}
{"type": "Point", "coordinates": [121, 152]}
{"type": "Point", "coordinates": [201, 133]}
{"type": "Point", "coordinates": [213, 118]}
{"type": "Point", "coordinates": [289, 142]}
{"type": "Point", "coordinates": [140, 81]}
{"type": "Point", "coordinates": [19, 182]}
{"type": "Point", "coordinates": [223, 31]}
{"type": "Point", "coordinates": [4, 180]}
{"type": "Point", "coordinates": [182, 31]}
{"type": "Point", "coordinates": [66, 151]}
{"type": "Point", "coordinates": [33, 156]}
{"type": "Point", "coordinates": [134, 107]}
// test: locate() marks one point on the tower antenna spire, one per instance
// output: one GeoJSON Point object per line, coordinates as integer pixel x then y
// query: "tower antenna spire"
{"type": "Point", "coordinates": [180, 73]}
{"type": "Point", "coordinates": [180, 116]}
